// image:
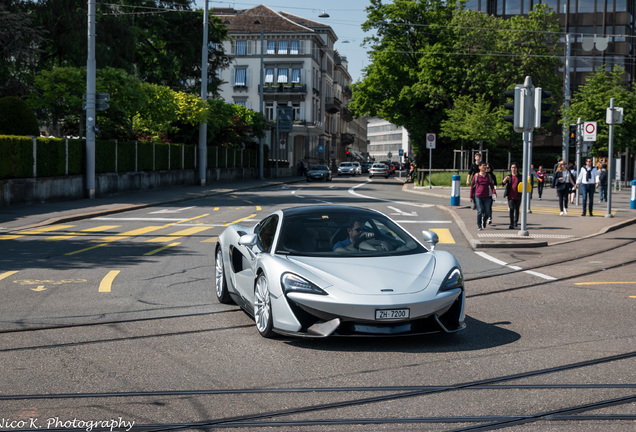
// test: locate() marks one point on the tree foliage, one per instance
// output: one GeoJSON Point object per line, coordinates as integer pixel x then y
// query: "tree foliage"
{"type": "Point", "coordinates": [428, 56]}
{"type": "Point", "coordinates": [157, 41]}
{"type": "Point", "coordinates": [591, 101]}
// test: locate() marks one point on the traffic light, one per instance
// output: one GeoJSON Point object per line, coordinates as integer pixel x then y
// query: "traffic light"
{"type": "Point", "coordinates": [347, 152]}
{"type": "Point", "coordinates": [541, 106]}
{"type": "Point", "coordinates": [522, 118]}
{"type": "Point", "coordinates": [572, 135]}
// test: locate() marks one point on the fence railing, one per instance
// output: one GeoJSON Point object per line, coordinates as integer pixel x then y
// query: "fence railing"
{"type": "Point", "coordinates": [30, 157]}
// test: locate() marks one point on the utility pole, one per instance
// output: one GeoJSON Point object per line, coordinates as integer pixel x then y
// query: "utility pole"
{"type": "Point", "coordinates": [203, 127]}
{"type": "Point", "coordinates": [566, 100]}
{"type": "Point", "coordinates": [91, 114]}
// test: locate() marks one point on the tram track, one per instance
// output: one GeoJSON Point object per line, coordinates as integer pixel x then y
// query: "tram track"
{"type": "Point", "coordinates": [268, 418]}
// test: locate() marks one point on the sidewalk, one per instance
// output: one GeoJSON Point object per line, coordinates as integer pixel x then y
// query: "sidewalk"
{"type": "Point", "coordinates": [544, 225]}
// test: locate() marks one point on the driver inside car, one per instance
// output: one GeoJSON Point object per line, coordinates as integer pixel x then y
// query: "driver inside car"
{"type": "Point", "coordinates": [355, 234]}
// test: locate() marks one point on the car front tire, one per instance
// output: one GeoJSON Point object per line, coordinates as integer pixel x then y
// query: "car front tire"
{"type": "Point", "coordinates": [263, 307]}
{"type": "Point", "coordinates": [220, 282]}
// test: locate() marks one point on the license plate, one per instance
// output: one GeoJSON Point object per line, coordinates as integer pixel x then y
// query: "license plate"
{"type": "Point", "coordinates": [387, 314]}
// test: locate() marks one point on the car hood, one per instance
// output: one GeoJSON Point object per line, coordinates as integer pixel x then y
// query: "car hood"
{"type": "Point", "coordinates": [404, 274]}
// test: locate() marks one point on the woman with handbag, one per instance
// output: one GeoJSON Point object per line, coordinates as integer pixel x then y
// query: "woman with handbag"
{"type": "Point", "coordinates": [563, 182]}
{"type": "Point", "coordinates": [481, 194]}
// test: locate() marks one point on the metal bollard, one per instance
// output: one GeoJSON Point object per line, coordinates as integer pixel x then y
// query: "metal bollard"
{"type": "Point", "coordinates": [632, 203]}
{"type": "Point", "coordinates": [455, 198]}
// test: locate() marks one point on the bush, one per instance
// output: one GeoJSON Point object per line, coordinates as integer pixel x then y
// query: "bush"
{"type": "Point", "coordinates": [16, 118]}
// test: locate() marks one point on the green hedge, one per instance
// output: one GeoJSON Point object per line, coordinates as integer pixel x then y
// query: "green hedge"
{"type": "Point", "coordinates": [16, 156]}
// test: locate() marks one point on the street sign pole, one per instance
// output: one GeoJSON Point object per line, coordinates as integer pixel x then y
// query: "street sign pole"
{"type": "Point", "coordinates": [579, 144]}
{"type": "Point", "coordinates": [610, 157]}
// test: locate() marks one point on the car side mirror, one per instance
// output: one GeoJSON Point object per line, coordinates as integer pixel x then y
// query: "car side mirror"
{"type": "Point", "coordinates": [431, 238]}
{"type": "Point", "coordinates": [247, 240]}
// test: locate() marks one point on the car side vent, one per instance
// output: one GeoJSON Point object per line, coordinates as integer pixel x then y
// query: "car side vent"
{"type": "Point", "coordinates": [387, 290]}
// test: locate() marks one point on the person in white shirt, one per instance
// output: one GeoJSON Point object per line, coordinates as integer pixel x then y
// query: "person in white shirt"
{"type": "Point", "coordinates": [588, 179]}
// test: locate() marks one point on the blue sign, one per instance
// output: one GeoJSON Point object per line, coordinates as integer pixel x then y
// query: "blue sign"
{"type": "Point", "coordinates": [321, 148]}
{"type": "Point", "coordinates": [401, 152]}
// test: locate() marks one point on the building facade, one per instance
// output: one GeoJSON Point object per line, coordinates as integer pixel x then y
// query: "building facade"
{"type": "Point", "coordinates": [387, 141]}
{"type": "Point", "coordinates": [600, 31]}
{"type": "Point", "coordinates": [282, 61]}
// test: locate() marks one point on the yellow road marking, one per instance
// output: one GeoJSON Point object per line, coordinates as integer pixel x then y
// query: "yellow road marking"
{"type": "Point", "coordinates": [444, 235]}
{"type": "Point", "coordinates": [106, 283]}
{"type": "Point", "coordinates": [216, 208]}
{"type": "Point", "coordinates": [239, 220]}
{"type": "Point", "coordinates": [258, 208]}
{"type": "Point", "coordinates": [603, 283]}
{"type": "Point", "coordinates": [107, 240]}
{"type": "Point", "coordinates": [35, 232]}
{"type": "Point", "coordinates": [178, 234]}
{"type": "Point", "coordinates": [39, 288]}
{"type": "Point", "coordinates": [211, 240]}
{"type": "Point", "coordinates": [7, 274]}
{"type": "Point", "coordinates": [160, 249]}
{"type": "Point", "coordinates": [81, 233]}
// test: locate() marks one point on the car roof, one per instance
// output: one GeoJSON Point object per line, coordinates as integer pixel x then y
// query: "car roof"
{"type": "Point", "coordinates": [318, 209]}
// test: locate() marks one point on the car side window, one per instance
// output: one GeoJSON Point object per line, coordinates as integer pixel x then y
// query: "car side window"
{"type": "Point", "coordinates": [266, 233]}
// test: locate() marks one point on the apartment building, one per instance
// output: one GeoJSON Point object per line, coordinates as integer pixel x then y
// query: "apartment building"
{"type": "Point", "coordinates": [283, 60]}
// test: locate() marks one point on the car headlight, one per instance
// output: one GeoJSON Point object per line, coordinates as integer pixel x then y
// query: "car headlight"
{"type": "Point", "coordinates": [294, 283]}
{"type": "Point", "coordinates": [453, 280]}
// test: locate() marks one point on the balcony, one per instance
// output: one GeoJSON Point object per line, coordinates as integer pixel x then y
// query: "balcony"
{"type": "Point", "coordinates": [332, 105]}
{"type": "Point", "coordinates": [346, 114]}
{"type": "Point", "coordinates": [285, 88]}
{"type": "Point", "coordinates": [347, 138]}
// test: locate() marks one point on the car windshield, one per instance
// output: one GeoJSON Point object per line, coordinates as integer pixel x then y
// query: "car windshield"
{"type": "Point", "coordinates": [343, 164]}
{"type": "Point", "coordinates": [319, 168]}
{"type": "Point", "coordinates": [326, 233]}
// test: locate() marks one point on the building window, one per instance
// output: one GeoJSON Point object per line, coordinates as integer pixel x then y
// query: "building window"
{"type": "Point", "coordinates": [282, 47]}
{"type": "Point", "coordinates": [269, 111]}
{"type": "Point", "coordinates": [240, 77]}
{"type": "Point", "coordinates": [294, 48]}
{"type": "Point", "coordinates": [241, 48]}
{"type": "Point", "coordinates": [271, 47]}
{"type": "Point", "coordinates": [295, 78]}
{"type": "Point", "coordinates": [283, 75]}
{"type": "Point", "coordinates": [269, 75]}
{"type": "Point", "coordinates": [586, 6]}
{"type": "Point", "coordinates": [296, 111]}
{"type": "Point", "coordinates": [621, 6]}
{"type": "Point", "coordinates": [242, 103]}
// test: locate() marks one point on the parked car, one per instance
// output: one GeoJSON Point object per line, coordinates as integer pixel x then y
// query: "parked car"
{"type": "Point", "coordinates": [319, 172]}
{"type": "Point", "coordinates": [293, 273]}
{"type": "Point", "coordinates": [378, 169]}
{"type": "Point", "coordinates": [346, 168]}
{"type": "Point", "coordinates": [357, 167]}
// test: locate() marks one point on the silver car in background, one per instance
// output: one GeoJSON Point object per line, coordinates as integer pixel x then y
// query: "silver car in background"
{"type": "Point", "coordinates": [378, 169]}
{"type": "Point", "coordinates": [346, 168]}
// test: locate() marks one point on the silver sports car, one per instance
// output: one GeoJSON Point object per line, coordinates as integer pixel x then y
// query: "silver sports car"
{"type": "Point", "coordinates": [317, 271]}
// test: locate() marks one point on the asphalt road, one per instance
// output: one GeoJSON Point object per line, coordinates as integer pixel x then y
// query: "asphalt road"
{"type": "Point", "coordinates": [114, 318]}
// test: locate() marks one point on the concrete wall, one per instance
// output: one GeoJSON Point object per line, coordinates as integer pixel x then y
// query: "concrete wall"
{"type": "Point", "coordinates": [35, 190]}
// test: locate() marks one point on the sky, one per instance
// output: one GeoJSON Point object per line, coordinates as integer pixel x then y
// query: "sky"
{"type": "Point", "coordinates": [345, 18]}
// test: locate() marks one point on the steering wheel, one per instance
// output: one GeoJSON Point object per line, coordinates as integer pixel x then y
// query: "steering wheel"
{"type": "Point", "coordinates": [363, 237]}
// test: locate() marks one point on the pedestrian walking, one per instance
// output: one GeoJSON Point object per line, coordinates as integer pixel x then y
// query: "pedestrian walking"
{"type": "Point", "coordinates": [588, 179]}
{"type": "Point", "coordinates": [474, 169]}
{"type": "Point", "coordinates": [540, 181]}
{"type": "Point", "coordinates": [563, 182]}
{"type": "Point", "coordinates": [512, 182]}
{"type": "Point", "coordinates": [602, 181]}
{"type": "Point", "coordinates": [493, 177]}
{"type": "Point", "coordinates": [572, 168]}
{"type": "Point", "coordinates": [481, 189]}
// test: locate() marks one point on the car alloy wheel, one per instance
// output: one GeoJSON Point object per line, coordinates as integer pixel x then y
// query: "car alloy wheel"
{"type": "Point", "coordinates": [263, 307]}
{"type": "Point", "coordinates": [220, 283]}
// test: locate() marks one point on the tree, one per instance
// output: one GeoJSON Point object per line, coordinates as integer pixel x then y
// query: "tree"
{"type": "Point", "coordinates": [591, 101]}
{"type": "Point", "coordinates": [19, 41]}
{"type": "Point", "coordinates": [426, 54]}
